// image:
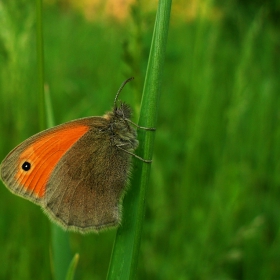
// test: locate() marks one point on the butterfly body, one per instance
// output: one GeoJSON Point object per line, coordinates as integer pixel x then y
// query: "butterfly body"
{"type": "Point", "coordinates": [77, 171]}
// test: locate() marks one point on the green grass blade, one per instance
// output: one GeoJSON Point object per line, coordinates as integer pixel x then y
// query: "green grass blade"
{"type": "Point", "coordinates": [61, 255]}
{"type": "Point", "coordinates": [40, 62]}
{"type": "Point", "coordinates": [125, 253]}
{"type": "Point", "coordinates": [49, 109]}
{"type": "Point", "coordinates": [72, 267]}
{"type": "Point", "coordinates": [61, 252]}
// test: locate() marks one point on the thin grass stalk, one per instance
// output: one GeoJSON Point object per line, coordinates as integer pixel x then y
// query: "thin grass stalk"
{"type": "Point", "coordinates": [61, 253]}
{"type": "Point", "coordinates": [40, 62]}
{"type": "Point", "coordinates": [60, 239]}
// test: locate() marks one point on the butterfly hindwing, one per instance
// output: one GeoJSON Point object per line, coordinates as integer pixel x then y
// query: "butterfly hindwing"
{"type": "Point", "coordinates": [85, 188]}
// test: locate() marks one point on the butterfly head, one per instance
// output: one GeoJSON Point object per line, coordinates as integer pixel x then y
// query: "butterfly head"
{"type": "Point", "coordinates": [122, 132]}
{"type": "Point", "coordinates": [123, 111]}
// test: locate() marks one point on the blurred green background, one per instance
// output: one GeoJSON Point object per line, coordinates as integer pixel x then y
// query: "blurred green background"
{"type": "Point", "coordinates": [213, 204]}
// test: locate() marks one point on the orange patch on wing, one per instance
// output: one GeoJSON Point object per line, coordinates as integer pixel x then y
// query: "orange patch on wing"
{"type": "Point", "coordinates": [43, 155]}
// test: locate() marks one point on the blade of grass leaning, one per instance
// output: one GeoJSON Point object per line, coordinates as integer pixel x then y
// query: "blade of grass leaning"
{"type": "Point", "coordinates": [40, 63]}
{"type": "Point", "coordinates": [72, 267]}
{"type": "Point", "coordinates": [125, 253]}
{"type": "Point", "coordinates": [60, 239]}
{"type": "Point", "coordinates": [61, 253]}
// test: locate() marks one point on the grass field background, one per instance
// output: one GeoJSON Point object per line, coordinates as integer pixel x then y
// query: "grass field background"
{"type": "Point", "coordinates": [213, 204]}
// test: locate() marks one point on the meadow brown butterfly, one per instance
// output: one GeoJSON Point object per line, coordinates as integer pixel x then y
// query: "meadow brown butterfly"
{"type": "Point", "coordinates": [77, 171]}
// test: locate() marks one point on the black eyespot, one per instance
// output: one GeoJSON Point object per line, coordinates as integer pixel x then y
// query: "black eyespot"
{"type": "Point", "coordinates": [26, 166]}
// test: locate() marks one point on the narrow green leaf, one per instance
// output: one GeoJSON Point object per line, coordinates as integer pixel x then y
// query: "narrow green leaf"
{"type": "Point", "coordinates": [61, 252]}
{"type": "Point", "coordinates": [49, 109]}
{"type": "Point", "coordinates": [72, 267]}
{"type": "Point", "coordinates": [40, 63]}
{"type": "Point", "coordinates": [60, 239]}
{"type": "Point", "coordinates": [125, 253]}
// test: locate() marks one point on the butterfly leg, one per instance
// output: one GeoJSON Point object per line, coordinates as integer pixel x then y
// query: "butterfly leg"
{"type": "Point", "coordinates": [141, 127]}
{"type": "Point", "coordinates": [144, 160]}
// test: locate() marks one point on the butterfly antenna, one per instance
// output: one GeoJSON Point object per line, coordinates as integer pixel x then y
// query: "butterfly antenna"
{"type": "Point", "coordinates": [120, 89]}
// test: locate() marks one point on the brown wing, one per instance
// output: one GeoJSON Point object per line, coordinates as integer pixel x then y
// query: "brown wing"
{"type": "Point", "coordinates": [84, 191]}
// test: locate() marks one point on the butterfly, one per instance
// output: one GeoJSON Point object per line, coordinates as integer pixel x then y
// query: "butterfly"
{"type": "Point", "coordinates": [77, 171]}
